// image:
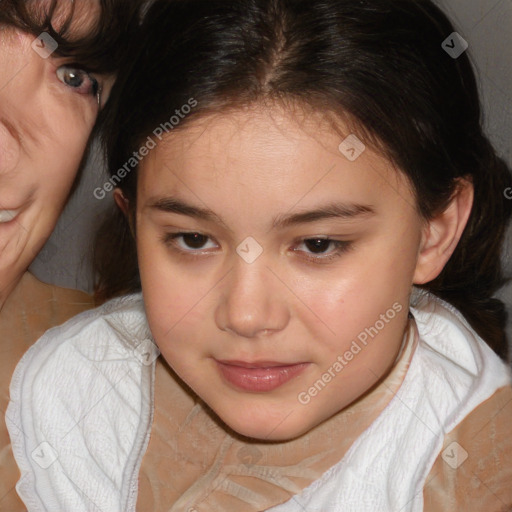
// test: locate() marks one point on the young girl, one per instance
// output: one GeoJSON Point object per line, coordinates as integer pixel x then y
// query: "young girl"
{"type": "Point", "coordinates": [318, 219]}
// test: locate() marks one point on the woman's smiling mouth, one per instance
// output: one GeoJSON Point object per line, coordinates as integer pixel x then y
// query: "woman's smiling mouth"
{"type": "Point", "coordinates": [8, 215]}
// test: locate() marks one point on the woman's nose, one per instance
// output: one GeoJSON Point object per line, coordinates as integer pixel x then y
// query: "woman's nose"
{"type": "Point", "coordinates": [9, 148]}
{"type": "Point", "coordinates": [253, 302]}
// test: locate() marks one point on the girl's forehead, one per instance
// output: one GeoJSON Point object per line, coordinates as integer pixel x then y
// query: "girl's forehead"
{"type": "Point", "coordinates": [277, 129]}
{"type": "Point", "coordinates": [271, 156]}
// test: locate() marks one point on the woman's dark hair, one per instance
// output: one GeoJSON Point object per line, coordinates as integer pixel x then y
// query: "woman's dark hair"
{"type": "Point", "coordinates": [100, 50]}
{"type": "Point", "coordinates": [379, 62]}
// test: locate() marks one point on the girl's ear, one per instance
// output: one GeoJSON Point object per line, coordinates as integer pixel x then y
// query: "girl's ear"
{"type": "Point", "coordinates": [442, 234]}
{"type": "Point", "coordinates": [124, 206]}
{"type": "Point", "coordinates": [121, 201]}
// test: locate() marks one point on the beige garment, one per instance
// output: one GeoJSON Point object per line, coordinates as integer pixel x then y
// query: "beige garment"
{"type": "Point", "coordinates": [483, 483]}
{"type": "Point", "coordinates": [195, 464]}
{"type": "Point", "coordinates": [31, 309]}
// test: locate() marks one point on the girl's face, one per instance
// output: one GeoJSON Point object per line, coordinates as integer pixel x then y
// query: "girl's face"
{"type": "Point", "coordinates": [47, 111]}
{"type": "Point", "coordinates": [273, 325]}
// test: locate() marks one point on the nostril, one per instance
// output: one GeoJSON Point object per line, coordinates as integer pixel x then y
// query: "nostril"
{"type": "Point", "coordinates": [9, 148]}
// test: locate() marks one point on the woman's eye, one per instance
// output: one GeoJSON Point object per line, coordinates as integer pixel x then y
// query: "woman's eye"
{"type": "Point", "coordinates": [78, 79]}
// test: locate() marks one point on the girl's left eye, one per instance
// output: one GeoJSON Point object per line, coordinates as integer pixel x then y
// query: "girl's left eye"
{"type": "Point", "coordinates": [196, 241]}
{"type": "Point", "coordinates": [319, 246]}
{"type": "Point", "coordinates": [78, 79]}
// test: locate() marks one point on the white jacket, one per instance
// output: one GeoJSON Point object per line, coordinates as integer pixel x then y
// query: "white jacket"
{"type": "Point", "coordinates": [82, 402]}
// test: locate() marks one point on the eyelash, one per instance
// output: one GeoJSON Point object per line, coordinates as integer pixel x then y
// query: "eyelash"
{"type": "Point", "coordinates": [95, 89]}
{"type": "Point", "coordinates": [341, 246]}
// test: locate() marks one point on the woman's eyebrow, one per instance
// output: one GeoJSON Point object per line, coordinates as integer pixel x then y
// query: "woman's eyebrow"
{"type": "Point", "coordinates": [346, 211]}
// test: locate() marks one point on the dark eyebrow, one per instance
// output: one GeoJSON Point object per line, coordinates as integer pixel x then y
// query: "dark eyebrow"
{"type": "Point", "coordinates": [331, 210]}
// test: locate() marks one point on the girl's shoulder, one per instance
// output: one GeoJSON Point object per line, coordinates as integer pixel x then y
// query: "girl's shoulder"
{"type": "Point", "coordinates": [473, 468]}
{"type": "Point", "coordinates": [473, 471]}
{"type": "Point", "coordinates": [113, 330]}
{"type": "Point", "coordinates": [81, 407]}
{"type": "Point", "coordinates": [451, 343]}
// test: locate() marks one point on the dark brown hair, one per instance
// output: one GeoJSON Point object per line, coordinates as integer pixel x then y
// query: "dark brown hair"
{"type": "Point", "coordinates": [100, 50]}
{"type": "Point", "coordinates": [378, 61]}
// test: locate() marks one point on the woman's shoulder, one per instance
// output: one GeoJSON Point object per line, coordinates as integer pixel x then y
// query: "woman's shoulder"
{"type": "Point", "coordinates": [31, 309]}
{"type": "Point", "coordinates": [32, 289]}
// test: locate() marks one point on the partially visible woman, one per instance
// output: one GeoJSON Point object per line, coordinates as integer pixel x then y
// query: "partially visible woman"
{"type": "Point", "coordinates": [52, 89]}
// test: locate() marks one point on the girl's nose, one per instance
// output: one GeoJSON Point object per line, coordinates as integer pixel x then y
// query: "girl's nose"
{"type": "Point", "coordinates": [253, 302]}
{"type": "Point", "coordinates": [9, 148]}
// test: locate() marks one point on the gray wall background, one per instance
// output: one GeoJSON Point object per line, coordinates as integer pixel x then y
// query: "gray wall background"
{"type": "Point", "coordinates": [485, 24]}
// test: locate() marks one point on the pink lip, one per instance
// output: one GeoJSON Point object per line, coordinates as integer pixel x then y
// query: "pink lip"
{"type": "Point", "coordinates": [260, 376]}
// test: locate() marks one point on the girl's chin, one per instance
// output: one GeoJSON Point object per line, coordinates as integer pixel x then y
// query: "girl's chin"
{"type": "Point", "coordinates": [263, 429]}
{"type": "Point", "coordinates": [263, 433]}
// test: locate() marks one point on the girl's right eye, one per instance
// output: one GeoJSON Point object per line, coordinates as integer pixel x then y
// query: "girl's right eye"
{"type": "Point", "coordinates": [192, 241]}
{"type": "Point", "coordinates": [78, 79]}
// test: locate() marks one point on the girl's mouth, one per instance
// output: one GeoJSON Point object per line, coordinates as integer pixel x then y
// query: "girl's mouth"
{"type": "Point", "coordinates": [258, 377]}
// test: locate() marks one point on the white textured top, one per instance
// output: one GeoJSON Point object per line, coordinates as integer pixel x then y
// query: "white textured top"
{"type": "Point", "coordinates": [81, 410]}
{"type": "Point", "coordinates": [82, 401]}
{"type": "Point", "coordinates": [451, 372]}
